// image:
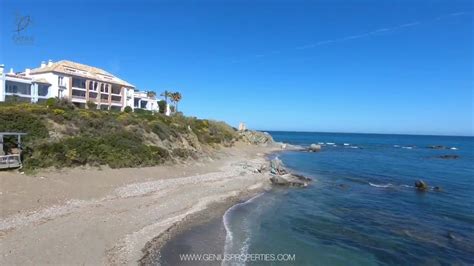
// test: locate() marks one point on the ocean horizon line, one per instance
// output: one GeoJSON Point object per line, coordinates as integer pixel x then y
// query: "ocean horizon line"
{"type": "Point", "coordinates": [365, 133]}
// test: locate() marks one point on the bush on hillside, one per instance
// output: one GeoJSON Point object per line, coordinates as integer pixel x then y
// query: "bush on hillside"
{"type": "Point", "coordinates": [96, 137]}
{"type": "Point", "coordinates": [120, 149]}
{"type": "Point", "coordinates": [162, 106]}
{"type": "Point", "coordinates": [91, 105]}
{"type": "Point", "coordinates": [51, 102]}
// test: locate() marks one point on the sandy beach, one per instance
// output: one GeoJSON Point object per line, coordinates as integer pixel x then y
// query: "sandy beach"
{"type": "Point", "coordinates": [108, 216]}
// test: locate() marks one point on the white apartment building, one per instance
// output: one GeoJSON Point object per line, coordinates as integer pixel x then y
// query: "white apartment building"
{"type": "Point", "coordinates": [82, 84]}
{"type": "Point", "coordinates": [18, 87]}
{"type": "Point", "coordinates": [78, 82]}
{"type": "Point", "coordinates": [141, 100]}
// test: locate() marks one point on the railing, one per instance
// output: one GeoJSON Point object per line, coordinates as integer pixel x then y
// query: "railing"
{"type": "Point", "coordinates": [78, 96]}
{"type": "Point", "coordinates": [10, 161]}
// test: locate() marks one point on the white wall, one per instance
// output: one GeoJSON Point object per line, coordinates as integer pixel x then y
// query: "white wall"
{"type": "Point", "coordinates": [52, 78]}
{"type": "Point", "coordinates": [129, 101]}
{"type": "Point", "coordinates": [2, 87]}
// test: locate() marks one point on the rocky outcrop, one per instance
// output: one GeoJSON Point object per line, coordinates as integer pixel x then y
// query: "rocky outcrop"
{"type": "Point", "coordinates": [256, 137]}
{"type": "Point", "coordinates": [281, 176]}
{"type": "Point", "coordinates": [449, 157]}
{"type": "Point", "coordinates": [421, 185]}
{"type": "Point", "coordinates": [438, 147]}
{"type": "Point", "coordinates": [314, 148]}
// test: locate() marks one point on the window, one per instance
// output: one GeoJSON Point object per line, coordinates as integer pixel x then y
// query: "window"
{"type": "Point", "coordinates": [43, 90]}
{"type": "Point", "coordinates": [61, 81]}
{"type": "Point", "coordinates": [18, 88]}
{"type": "Point", "coordinates": [79, 83]}
{"type": "Point", "coordinates": [104, 88]}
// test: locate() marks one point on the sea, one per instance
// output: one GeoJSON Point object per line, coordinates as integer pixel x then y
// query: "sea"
{"type": "Point", "coordinates": [360, 209]}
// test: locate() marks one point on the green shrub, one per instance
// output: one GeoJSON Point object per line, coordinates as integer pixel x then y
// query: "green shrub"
{"type": "Point", "coordinates": [162, 130]}
{"type": "Point", "coordinates": [128, 109]}
{"type": "Point", "coordinates": [182, 153]}
{"type": "Point", "coordinates": [21, 120]}
{"type": "Point", "coordinates": [91, 105]}
{"type": "Point", "coordinates": [162, 106]}
{"type": "Point", "coordinates": [119, 149]}
{"type": "Point", "coordinates": [51, 102]}
{"type": "Point", "coordinates": [94, 137]}
{"type": "Point", "coordinates": [65, 103]}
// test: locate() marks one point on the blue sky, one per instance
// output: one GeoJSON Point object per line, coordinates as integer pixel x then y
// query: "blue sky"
{"type": "Point", "coordinates": [337, 66]}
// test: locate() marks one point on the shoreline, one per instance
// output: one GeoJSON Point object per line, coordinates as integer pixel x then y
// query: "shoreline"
{"type": "Point", "coordinates": [214, 211]}
{"type": "Point", "coordinates": [127, 219]}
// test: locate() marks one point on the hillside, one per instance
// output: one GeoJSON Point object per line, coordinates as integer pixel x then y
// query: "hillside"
{"type": "Point", "coordinates": [60, 135]}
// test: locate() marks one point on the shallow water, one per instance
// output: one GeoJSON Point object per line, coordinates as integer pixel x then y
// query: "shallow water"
{"type": "Point", "coordinates": [362, 208]}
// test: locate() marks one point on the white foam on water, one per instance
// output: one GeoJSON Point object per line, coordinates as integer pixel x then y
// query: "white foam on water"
{"type": "Point", "coordinates": [229, 243]}
{"type": "Point", "coordinates": [346, 144]}
{"type": "Point", "coordinates": [381, 186]}
{"type": "Point", "coordinates": [330, 143]}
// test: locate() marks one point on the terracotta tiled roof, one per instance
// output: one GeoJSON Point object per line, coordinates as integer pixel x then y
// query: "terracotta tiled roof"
{"type": "Point", "coordinates": [85, 71]}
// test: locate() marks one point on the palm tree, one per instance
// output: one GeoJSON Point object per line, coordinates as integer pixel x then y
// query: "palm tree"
{"type": "Point", "coordinates": [151, 94]}
{"type": "Point", "coordinates": [176, 97]}
{"type": "Point", "coordinates": [166, 94]}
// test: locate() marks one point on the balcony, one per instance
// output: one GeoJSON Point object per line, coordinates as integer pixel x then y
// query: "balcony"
{"type": "Point", "coordinates": [78, 95]}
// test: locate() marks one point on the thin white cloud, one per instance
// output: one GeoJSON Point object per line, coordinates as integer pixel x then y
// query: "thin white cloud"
{"type": "Point", "coordinates": [359, 36]}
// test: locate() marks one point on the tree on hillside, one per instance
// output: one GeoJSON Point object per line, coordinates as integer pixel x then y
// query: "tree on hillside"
{"type": "Point", "coordinates": [175, 98]}
{"type": "Point", "coordinates": [162, 106]}
{"type": "Point", "coordinates": [166, 94]}
{"type": "Point", "coordinates": [151, 94]}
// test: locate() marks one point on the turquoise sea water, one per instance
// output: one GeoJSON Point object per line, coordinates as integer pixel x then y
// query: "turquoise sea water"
{"type": "Point", "coordinates": [362, 208]}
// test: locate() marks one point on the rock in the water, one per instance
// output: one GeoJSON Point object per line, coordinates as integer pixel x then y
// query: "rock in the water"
{"type": "Point", "coordinates": [421, 185]}
{"type": "Point", "coordinates": [437, 147]}
{"type": "Point", "coordinates": [289, 180]}
{"type": "Point", "coordinates": [449, 157]}
{"type": "Point", "coordinates": [342, 186]}
{"type": "Point", "coordinates": [276, 167]}
{"type": "Point", "coordinates": [280, 175]}
{"type": "Point", "coordinates": [314, 148]}
{"type": "Point", "coordinates": [438, 189]}
{"type": "Point", "coordinates": [279, 180]}
{"type": "Point", "coordinates": [453, 236]}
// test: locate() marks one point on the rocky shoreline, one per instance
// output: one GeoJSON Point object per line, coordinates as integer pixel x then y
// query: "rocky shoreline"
{"type": "Point", "coordinates": [272, 169]}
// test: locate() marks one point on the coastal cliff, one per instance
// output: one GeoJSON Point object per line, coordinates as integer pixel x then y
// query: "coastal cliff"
{"type": "Point", "coordinates": [60, 135]}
